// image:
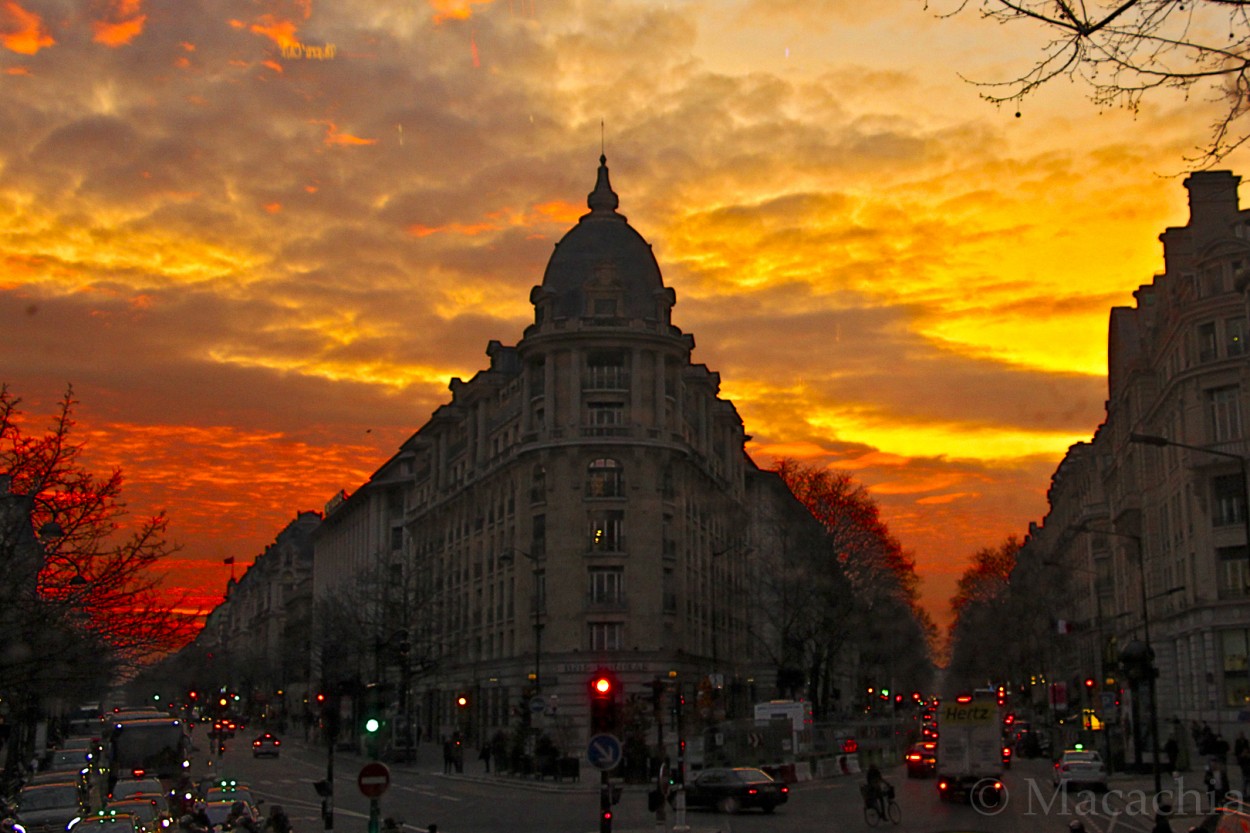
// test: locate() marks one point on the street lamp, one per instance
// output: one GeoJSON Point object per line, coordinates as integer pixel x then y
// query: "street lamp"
{"type": "Point", "coordinates": [1100, 648]}
{"type": "Point", "coordinates": [1146, 654]}
{"type": "Point", "coordinates": [1155, 440]}
{"type": "Point", "coordinates": [538, 603]}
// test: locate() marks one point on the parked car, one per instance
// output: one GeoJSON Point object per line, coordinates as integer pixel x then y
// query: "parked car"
{"type": "Point", "coordinates": [730, 789]}
{"type": "Point", "coordinates": [49, 808]}
{"type": "Point", "coordinates": [1080, 767]}
{"type": "Point", "coordinates": [921, 759]}
{"type": "Point", "coordinates": [266, 744]}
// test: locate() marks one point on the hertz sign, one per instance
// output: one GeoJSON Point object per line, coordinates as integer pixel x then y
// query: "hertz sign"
{"type": "Point", "coordinates": [967, 714]}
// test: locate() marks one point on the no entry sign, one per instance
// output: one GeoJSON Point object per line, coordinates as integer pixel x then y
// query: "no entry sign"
{"type": "Point", "coordinates": [373, 779]}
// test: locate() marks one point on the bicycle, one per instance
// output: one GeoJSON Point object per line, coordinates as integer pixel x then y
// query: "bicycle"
{"type": "Point", "coordinates": [879, 806]}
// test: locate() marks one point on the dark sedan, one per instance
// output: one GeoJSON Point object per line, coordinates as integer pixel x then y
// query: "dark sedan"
{"type": "Point", "coordinates": [921, 759]}
{"type": "Point", "coordinates": [732, 789]}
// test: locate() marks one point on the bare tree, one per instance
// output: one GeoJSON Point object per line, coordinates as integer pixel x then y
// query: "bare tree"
{"type": "Point", "coordinates": [1126, 49]}
{"type": "Point", "coordinates": [92, 573]}
{"type": "Point", "coordinates": [866, 587]}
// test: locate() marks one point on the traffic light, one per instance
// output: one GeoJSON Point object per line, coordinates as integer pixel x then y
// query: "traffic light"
{"type": "Point", "coordinates": [462, 701]}
{"type": "Point", "coordinates": [604, 690]}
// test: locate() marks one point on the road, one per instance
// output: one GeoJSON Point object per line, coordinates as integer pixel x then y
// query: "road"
{"type": "Point", "coordinates": [420, 795]}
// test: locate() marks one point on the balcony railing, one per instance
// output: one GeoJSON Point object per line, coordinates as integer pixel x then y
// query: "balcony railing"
{"type": "Point", "coordinates": [606, 602]}
{"type": "Point", "coordinates": [609, 377]}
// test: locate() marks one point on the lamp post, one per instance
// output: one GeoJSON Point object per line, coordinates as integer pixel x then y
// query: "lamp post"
{"type": "Point", "coordinates": [1155, 440]}
{"type": "Point", "coordinates": [538, 603]}
{"type": "Point", "coordinates": [1100, 649]}
{"type": "Point", "coordinates": [1147, 652]}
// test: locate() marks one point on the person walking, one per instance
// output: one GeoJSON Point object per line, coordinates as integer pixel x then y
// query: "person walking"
{"type": "Point", "coordinates": [449, 756]}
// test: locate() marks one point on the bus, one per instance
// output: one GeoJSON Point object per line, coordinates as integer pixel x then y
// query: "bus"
{"type": "Point", "coordinates": [151, 747]}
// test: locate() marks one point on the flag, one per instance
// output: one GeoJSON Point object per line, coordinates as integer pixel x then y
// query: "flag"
{"type": "Point", "coordinates": [229, 560]}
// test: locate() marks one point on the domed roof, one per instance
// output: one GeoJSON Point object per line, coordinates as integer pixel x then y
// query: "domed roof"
{"type": "Point", "coordinates": [603, 259]}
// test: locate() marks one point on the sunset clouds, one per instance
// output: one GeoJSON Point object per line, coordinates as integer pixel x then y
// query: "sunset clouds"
{"type": "Point", "coordinates": [260, 264]}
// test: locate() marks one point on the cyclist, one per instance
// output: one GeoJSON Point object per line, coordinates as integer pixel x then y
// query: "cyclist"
{"type": "Point", "coordinates": [877, 791]}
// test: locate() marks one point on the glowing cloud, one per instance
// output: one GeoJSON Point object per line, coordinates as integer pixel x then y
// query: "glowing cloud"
{"type": "Point", "coordinates": [445, 10]}
{"type": "Point", "coordinates": [334, 137]}
{"type": "Point", "coordinates": [22, 31]}
{"type": "Point", "coordinates": [124, 24]}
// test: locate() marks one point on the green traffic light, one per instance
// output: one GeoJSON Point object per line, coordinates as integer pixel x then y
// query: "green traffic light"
{"type": "Point", "coordinates": [372, 725]}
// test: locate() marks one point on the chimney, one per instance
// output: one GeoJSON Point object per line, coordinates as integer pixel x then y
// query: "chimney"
{"type": "Point", "coordinates": [1212, 204]}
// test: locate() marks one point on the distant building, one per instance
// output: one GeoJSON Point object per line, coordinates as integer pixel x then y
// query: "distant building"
{"type": "Point", "coordinates": [586, 501]}
{"type": "Point", "coordinates": [262, 628]}
{"type": "Point", "coordinates": [1136, 504]}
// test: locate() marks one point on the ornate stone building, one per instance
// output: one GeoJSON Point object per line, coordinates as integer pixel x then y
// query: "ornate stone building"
{"type": "Point", "coordinates": [1149, 519]}
{"type": "Point", "coordinates": [583, 502]}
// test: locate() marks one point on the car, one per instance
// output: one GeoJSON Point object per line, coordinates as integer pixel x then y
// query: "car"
{"type": "Point", "coordinates": [49, 808]}
{"type": "Point", "coordinates": [921, 759]}
{"type": "Point", "coordinates": [130, 787]}
{"type": "Point", "coordinates": [730, 789]}
{"type": "Point", "coordinates": [219, 812]}
{"type": "Point", "coordinates": [1080, 767]}
{"type": "Point", "coordinates": [107, 821]}
{"type": "Point", "coordinates": [234, 792]}
{"type": "Point", "coordinates": [148, 811]}
{"type": "Point", "coordinates": [266, 744]}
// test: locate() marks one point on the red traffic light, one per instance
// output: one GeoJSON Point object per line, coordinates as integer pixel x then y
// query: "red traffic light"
{"type": "Point", "coordinates": [1089, 682]}
{"type": "Point", "coordinates": [601, 685]}
{"type": "Point", "coordinates": [462, 701]}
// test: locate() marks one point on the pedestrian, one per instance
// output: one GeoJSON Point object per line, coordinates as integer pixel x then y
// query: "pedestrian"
{"type": "Point", "coordinates": [1216, 782]}
{"type": "Point", "coordinates": [448, 757]}
{"type": "Point", "coordinates": [1243, 763]}
{"type": "Point", "coordinates": [484, 756]}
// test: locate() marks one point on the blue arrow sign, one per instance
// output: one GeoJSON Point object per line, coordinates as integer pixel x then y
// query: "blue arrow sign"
{"type": "Point", "coordinates": [604, 751]}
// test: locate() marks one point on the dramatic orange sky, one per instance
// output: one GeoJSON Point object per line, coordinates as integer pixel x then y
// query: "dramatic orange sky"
{"type": "Point", "coordinates": [261, 236]}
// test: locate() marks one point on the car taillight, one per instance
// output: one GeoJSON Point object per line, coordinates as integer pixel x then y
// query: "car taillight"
{"type": "Point", "coordinates": [942, 785]}
{"type": "Point", "coordinates": [785, 790]}
{"type": "Point", "coordinates": [752, 791]}
{"type": "Point", "coordinates": [913, 757]}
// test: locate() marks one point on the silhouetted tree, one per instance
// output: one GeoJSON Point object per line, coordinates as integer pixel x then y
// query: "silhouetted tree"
{"type": "Point", "coordinates": [982, 637]}
{"type": "Point", "coordinates": [1126, 49]}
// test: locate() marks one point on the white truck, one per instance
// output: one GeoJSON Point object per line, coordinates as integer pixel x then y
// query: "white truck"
{"type": "Point", "coordinates": [970, 749]}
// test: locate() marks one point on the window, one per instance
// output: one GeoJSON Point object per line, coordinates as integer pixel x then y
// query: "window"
{"type": "Point", "coordinates": [605, 479]}
{"type": "Point", "coordinates": [606, 636]}
{"type": "Point", "coordinates": [1228, 494]}
{"type": "Point", "coordinates": [1233, 650]}
{"type": "Point", "coordinates": [607, 532]}
{"type": "Point", "coordinates": [1224, 407]}
{"type": "Point", "coordinates": [538, 540]}
{"type": "Point", "coordinates": [605, 416]}
{"type": "Point", "coordinates": [538, 485]}
{"type": "Point", "coordinates": [540, 591]}
{"type": "Point", "coordinates": [668, 591]}
{"type": "Point", "coordinates": [1206, 341]}
{"type": "Point", "coordinates": [397, 537]}
{"type": "Point", "coordinates": [606, 371]}
{"type": "Point", "coordinates": [607, 585]}
{"type": "Point", "coordinates": [1235, 336]}
{"type": "Point", "coordinates": [1233, 574]}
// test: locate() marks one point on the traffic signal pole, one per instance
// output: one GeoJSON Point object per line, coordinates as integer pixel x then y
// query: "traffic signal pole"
{"type": "Point", "coordinates": [679, 818]}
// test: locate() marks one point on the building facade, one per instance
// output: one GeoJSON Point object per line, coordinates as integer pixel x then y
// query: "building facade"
{"type": "Point", "coordinates": [582, 503]}
{"type": "Point", "coordinates": [261, 629]}
{"type": "Point", "coordinates": [1148, 521]}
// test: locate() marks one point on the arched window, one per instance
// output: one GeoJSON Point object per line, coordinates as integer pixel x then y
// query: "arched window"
{"type": "Point", "coordinates": [605, 478]}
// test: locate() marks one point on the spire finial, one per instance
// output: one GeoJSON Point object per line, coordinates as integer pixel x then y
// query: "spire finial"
{"type": "Point", "coordinates": [602, 152]}
{"type": "Point", "coordinates": [603, 199]}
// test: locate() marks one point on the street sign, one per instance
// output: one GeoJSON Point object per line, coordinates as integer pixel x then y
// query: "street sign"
{"type": "Point", "coordinates": [604, 751]}
{"type": "Point", "coordinates": [537, 705]}
{"type": "Point", "coordinates": [373, 780]}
